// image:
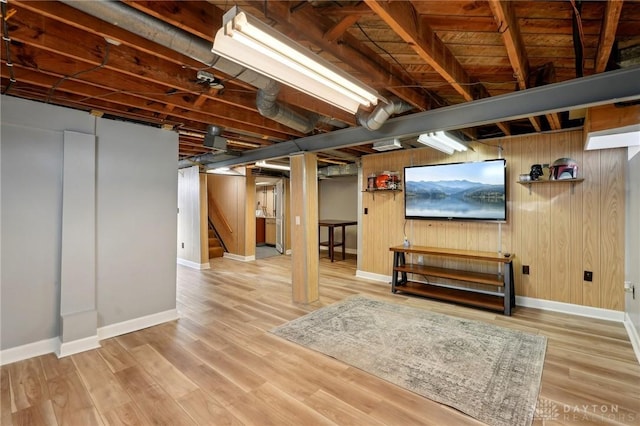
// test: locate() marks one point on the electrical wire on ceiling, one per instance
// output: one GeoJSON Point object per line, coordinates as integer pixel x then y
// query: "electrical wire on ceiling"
{"type": "Point", "coordinates": [435, 86]}
{"type": "Point", "coordinates": [65, 78]}
{"type": "Point", "coordinates": [402, 67]}
{"type": "Point", "coordinates": [578, 38]}
{"type": "Point", "coordinates": [7, 42]}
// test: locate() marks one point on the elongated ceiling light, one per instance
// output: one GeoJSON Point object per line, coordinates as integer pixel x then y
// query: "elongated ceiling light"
{"type": "Point", "coordinates": [442, 142]}
{"type": "Point", "coordinates": [248, 41]}
{"type": "Point", "coordinates": [266, 165]}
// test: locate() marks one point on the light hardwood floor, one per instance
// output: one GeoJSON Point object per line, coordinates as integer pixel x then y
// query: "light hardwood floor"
{"type": "Point", "coordinates": [219, 365]}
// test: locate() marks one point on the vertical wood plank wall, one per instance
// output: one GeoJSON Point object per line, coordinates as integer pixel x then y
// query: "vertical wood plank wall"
{"type": "Point", "coordinates": [204, 222]}
{"type": "Point", "coordinates": [558, 229]}
{"type": "Point", "coordinates": [230, 195]}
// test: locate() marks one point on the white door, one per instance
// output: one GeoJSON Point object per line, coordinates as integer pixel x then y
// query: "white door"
{"type": "Point", "coordinates": [279, 202]}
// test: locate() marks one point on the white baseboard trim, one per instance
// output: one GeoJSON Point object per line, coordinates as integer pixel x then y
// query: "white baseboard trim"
{"type": "Point", "coordinates": [54, 345]}
{"type": "Point", "coordinates": [239, 257]}
{"type": "Point", "coordinates": [570, 308]}
{"type": "Point", "coordinates": [632, 331]}
{"type": "Point", "coordinates": [374, 277]}
{"type": "Point", "coordinates": [29, 350]}
{"type": "Point", "coordinates": [77, 346]}
{"type": "Point", "coordinates": [546, 305]}
{"type": "Point", "coordinates": [194, 265]}
{"type": "Point", "coordinates": [136, 324]}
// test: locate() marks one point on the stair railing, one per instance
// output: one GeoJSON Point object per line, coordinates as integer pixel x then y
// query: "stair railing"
{"type": "Point", "coordinates": [215, 231]}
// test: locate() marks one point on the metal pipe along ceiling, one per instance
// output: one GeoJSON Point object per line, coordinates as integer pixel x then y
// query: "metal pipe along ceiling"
{"type": "Point", "coordinates": [599, 89]}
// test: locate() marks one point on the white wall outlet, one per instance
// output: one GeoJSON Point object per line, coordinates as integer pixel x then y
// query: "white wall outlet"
{"type": "Point", "coordinates": [420, 260]}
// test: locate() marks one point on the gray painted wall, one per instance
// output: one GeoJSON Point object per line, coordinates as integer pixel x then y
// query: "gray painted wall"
{"type": "Point", "coordinates": [632, 241]}
{"type": "Point", "coordinates": [136, 190]}
{"type": "Point", "coordinates": [338, 199]}
{"type": "Point", "coordinates": [136, 210]}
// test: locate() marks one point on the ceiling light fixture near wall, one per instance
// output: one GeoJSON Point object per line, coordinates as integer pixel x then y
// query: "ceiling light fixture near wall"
{"type": "Point", "coordinates": [442, 142]}
{"type": "Point", "coordinates": [266, 165]}
{"type": "Point", "coordinates": [225, 171]}
{"type": "Point", "coordinates": [387, 145]}
{"type": "Point", "coordinates": [247, 41]}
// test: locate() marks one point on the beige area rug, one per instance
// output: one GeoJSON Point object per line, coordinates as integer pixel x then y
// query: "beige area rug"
{"type": "Point", "coordinates": [487, 372]}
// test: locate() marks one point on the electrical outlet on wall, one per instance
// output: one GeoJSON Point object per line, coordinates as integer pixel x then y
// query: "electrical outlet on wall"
{"type": "Point", "coordinates": [420, 260]}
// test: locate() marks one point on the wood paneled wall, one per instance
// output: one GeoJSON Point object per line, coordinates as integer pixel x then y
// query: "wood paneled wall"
{"type": "Point", "coordinates": [230, 194]}
{"type": "Point", "coordinates": [558, 229]}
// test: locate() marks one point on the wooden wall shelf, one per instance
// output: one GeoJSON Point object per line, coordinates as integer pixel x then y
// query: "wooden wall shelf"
{"type": "Point", "coordinates": [374, 190]}
{"type": "Point", "coordinates": [533, 182]}
{"type": "Point", "coordinates": [543, 181]}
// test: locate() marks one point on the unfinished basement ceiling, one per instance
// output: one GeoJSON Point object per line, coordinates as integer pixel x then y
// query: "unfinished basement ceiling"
{"type": "Point", "coordinates": [427, 54]}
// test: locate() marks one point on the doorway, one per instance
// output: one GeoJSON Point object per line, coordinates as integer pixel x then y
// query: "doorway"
{"type": "Point", "coordinates": [269, 217]}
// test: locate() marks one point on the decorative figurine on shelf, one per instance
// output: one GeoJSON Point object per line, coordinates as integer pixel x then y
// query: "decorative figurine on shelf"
{"type": "Point", "coordinates": [536, 171]}
{"type": "Point", "coordinates": [371, 181]}
{"type": "Point", "coordinates": [564, 168]}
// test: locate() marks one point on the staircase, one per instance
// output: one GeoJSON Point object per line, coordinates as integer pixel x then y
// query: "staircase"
{"type": "Point", "coordinates": [215, 248]}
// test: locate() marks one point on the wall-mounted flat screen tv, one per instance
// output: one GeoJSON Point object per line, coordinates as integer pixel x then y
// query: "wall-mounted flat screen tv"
{"type": "Point", "coordinates": [456, 191]}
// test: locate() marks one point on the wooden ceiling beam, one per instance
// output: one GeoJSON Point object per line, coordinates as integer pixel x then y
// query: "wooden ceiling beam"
{"type": "Point", "coordinates": [341, 27]}
{"type": "Point", "coordinates": [403, 19]}
{"type": "Point", "coordinates": [58, 37]}
{"type": "Point", "coordinates": [608, 33]}
{"type": "Point", "coordinates": [77, 19]}
{"type": "Point", "coordinates": [199, 18]}
{"type": "Point", "coordinates": [42, 56]}
{"type": "Point", "coordinates": [372, 68]}
{"type": "Point", "coordinates": [130, 57]}
{"type": "Point", "coordinates": [510, 30]}
{"type": "Point", "coordinates": [93, 94]}
{"type": "Point", "coordinates": [203, 20]}
{"type": "Point", "coordinates": [345, 10]}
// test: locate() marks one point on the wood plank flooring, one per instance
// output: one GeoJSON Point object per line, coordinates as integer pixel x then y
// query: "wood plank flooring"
{"type": "Point", "coordinates": [219, 365]}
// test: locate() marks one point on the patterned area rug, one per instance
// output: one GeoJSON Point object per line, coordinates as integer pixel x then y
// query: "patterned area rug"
{"type": "Point", "coordinates": [487, 372]}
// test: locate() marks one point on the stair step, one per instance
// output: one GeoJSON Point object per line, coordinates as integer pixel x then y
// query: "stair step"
{"type": "Point", "coordinates": [215, 252]}
{"type": "Point", "coordinates": [214, 242]}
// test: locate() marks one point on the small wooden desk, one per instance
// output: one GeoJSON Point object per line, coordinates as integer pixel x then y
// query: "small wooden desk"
{"type": "Point", "coordinates": [331, 225]}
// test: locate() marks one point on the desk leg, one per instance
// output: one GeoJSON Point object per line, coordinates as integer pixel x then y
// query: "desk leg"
{"type": "Point", "coordinates": [398, 260]}
{"type": "Point", "coordinates": [509, 291]}
{"type": "Point", "coordinates": [331, 240]}
{"type": "Point", "coordinates": [394, 273]}
{"type": "Point", "coordinates": [344, 243]}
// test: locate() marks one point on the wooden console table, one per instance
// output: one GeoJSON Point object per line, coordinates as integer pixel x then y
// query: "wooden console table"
{"type": "Point", "coordinates": [332, 243]}
{"type": "Point", "coordinates": [503, 302]}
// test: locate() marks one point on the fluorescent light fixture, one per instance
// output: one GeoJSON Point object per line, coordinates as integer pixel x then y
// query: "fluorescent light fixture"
{"type": "Point", "coordinates": [266, 165]}
{"type": "Point", "coordinates": [442, 142]}
{"type": "Point", "coordinates": [614, 138]}
{"type": "Point", "coordinates": [247, 41]}
{"type": "Point", "coordinates": [224, 171]}
{"type": "Point", "coordinates": [387, 145]}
